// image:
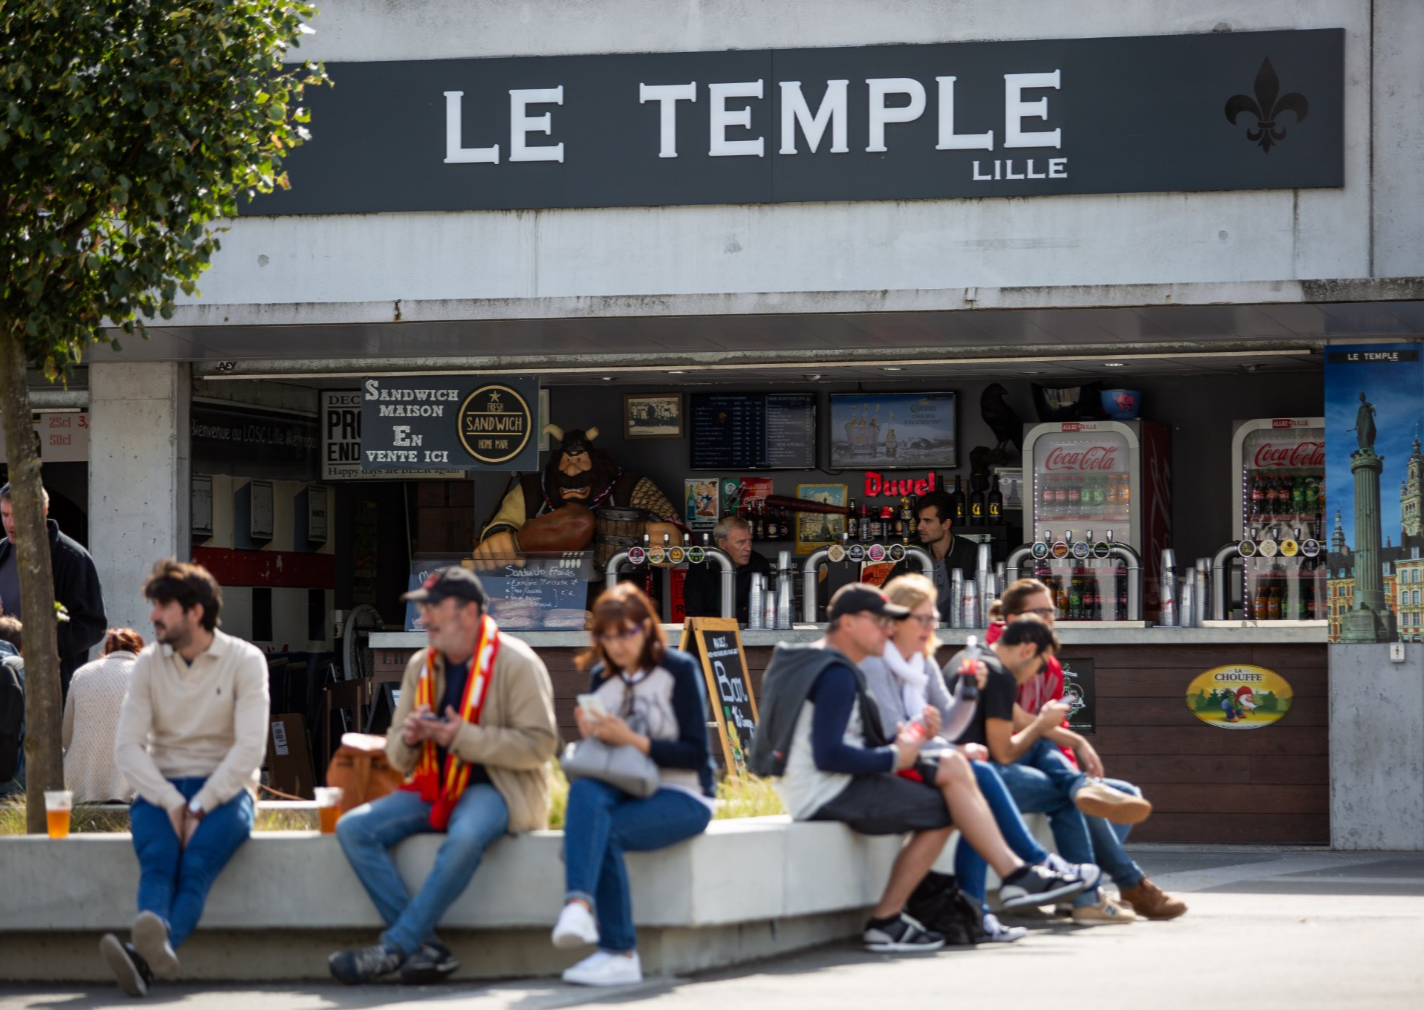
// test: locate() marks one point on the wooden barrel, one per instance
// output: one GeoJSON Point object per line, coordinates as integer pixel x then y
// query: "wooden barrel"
{"type": "Point", "coordinates": [618, 529]}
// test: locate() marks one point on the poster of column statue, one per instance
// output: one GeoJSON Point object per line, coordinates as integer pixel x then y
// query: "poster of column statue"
{"type": "Point", "coordinates": [1374, 409]}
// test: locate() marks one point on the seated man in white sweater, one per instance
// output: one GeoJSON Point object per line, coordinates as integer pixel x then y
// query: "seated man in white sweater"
{"type": "Point", "coordinates": [191, 737]}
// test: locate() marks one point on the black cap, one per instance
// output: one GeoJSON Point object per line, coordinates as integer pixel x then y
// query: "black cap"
{"type": "Point", "coordinates": [446, 582]}
{"type": "Point", "coordinates": [863, 598]}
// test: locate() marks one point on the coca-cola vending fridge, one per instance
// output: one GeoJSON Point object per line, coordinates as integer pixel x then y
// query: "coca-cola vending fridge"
{"type": "Point", "coordinates": [1278, 515]}
{"type": "Point", "coordinates": [1092, 483]}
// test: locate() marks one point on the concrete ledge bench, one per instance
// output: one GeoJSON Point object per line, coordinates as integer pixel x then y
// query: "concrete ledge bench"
{"type": "Point", "coordinates": [746, 889]}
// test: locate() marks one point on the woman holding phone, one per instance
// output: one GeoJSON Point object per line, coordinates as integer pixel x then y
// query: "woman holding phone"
{"type": "Point", "coordinates": [647, 695]}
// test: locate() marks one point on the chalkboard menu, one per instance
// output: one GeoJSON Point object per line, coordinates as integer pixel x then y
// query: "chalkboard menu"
{"type": "Point", "coordinates": [530, 593]}
{"type": "Point", "coordinates": [753, 431]}
{"type": "Point", "coordinates": [718, 643]}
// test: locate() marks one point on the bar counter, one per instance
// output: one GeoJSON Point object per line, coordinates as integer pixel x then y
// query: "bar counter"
{"type": "Point", "coordinates": [1268, 785]}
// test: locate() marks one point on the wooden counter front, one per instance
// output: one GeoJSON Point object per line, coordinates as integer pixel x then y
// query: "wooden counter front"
{"type": "Point", "coordinates": [1262, 786]}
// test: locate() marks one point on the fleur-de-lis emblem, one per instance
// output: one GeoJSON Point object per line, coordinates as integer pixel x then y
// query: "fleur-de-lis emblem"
{"type": "Point", "coordinates": [1267, 107]}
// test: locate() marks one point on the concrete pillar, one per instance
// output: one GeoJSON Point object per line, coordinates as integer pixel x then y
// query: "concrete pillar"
{"type": "Point", "coordinates": [1369, 617]}
{"type": "Point", "coordinates": [138, 478]}
{"type": "Point", "coordinates": [1376, 748]}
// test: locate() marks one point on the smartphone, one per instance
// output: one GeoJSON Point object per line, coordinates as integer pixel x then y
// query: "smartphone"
{"type": "Point", "coordinates": [592, 704]}
{"type": "Point", "coordinates": [432, 717]}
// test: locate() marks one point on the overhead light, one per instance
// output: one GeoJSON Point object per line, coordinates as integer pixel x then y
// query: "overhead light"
{"type": "Point", "coordinates": [1034, 373]}
{"type": "Point", "coordinates": [1113, 364]}
{"type": "Point", "coordinates": [813, 376]}
{"type": "Point", "coordinates": [607, 378]}
{"type": "Point", "coordinates": [676, 371]}
{"type": "Point", "coordinates": [891, 368]}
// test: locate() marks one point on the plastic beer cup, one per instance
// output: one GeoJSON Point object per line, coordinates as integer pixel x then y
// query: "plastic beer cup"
{"type": "Point", "coordinates": [328, 808]}
{"type": "Point", "coordinates": [58, 805]}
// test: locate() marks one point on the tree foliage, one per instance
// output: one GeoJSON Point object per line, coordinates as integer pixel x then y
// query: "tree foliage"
{"type": "Point", "coordinates": [128, 128]}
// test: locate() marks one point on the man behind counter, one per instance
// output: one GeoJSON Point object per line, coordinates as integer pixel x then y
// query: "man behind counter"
{"type": "Point", "coordinates": [702, 592]}
{"type": "Point", "coordinates": [935, 515]}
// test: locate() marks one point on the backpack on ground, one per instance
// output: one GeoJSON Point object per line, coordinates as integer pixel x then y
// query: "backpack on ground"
{"type": "Point", "coordinates": [940, 905]}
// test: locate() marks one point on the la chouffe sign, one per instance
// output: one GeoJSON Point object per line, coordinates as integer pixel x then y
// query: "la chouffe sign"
{"type": "Point", "coordinates": [1222, 111]}
{"type": "Point", "coordinates": [458, 422]}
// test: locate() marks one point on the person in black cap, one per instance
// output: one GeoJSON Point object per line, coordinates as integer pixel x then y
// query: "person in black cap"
{"type": "Point", "coordinates": [820, 738]}
{"type": "Point", "coordinates": [475, 728]}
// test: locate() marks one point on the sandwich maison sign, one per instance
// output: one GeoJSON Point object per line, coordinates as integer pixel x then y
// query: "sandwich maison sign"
{"type": "Point", "coordinates": [449, 422]}
{"type": "Point", "coordinates": [1223, 111]}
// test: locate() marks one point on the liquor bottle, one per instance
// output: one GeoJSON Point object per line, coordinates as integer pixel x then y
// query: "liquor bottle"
{"type": "Point", "coordinates": [976, 499]}
{"type": "Point", "coordinates": [772, 530]}
{"type": "Point", "coordinates": [759, 529]}
{"type": "Point", "coordinates": [887, 523]}
{"type": "Point", "coordinates": [907, 519]}
{"type": "Point", "coordinates": [995, 505]}
{"type": "Point", "coordinates": [912, 523]}
{"type": "Point", "coordinates": [865, 531]}
{"type": "Point", "coordinates": [1259, 602]}
{"type": "Point", "coordinates": [961, 502]}
{"type": "Point", "coordinates": [1060, 596]}
{"type": "Point", "coordinates": [852, 526]}
{"type": "Point", "coordinates": [1273, 603]}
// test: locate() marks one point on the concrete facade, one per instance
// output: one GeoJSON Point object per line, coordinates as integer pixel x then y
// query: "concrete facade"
{"type": "Point", "coordinates": [1056, 242]}
{"type": "Point", "coordinates": [1376, 748]}
{"type": "Point", "coordinates": [138, 477]}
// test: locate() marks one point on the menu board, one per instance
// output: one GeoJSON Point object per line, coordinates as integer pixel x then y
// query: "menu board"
{"type": "Point", "coordinates": [529, 593]}
{"type": "Point", "coordinates": [753, 431]}
{"type": "Point", "coordinates": [718, 643]}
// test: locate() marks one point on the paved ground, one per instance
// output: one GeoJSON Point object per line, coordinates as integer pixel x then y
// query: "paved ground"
{"type": "Point", "coordinates": [1298, 929]}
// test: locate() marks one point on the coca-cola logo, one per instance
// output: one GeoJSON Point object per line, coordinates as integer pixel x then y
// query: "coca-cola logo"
{"type": "Point", "coordinates": [1291, 454]}
{"type": "Point", "coordinates": [1088, 457]}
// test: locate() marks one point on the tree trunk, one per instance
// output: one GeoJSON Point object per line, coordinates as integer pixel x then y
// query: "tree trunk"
{"type": "Point", "coordinates": [44, 763]}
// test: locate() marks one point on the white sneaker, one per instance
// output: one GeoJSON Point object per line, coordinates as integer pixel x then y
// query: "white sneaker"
{"type": "Point", "coordinates": [575, 928]}
{"type": "Point", "coordinates": [150, 938]}
{"type": "Point", "coordinates": [605, 969]}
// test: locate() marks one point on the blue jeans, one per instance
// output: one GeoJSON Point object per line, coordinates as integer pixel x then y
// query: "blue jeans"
{"type": "Point", "coordinates": [969, 867]}
{"type": "Point", "coordinates": [369, 833]}
{"type": "Point", "coordinates": [1108, 839]}
{"type": "Point", "coordinates": [174, 880]}
{"type": "Point", "coordinates": [600, 825]}
{"type": "Point", "coordinates": [1043, 782]}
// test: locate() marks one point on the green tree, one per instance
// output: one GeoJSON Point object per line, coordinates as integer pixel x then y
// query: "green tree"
{"type": "Point", "coordinates": [129, 130]}
{"type": "Point", "coordinates": [1266, 701]}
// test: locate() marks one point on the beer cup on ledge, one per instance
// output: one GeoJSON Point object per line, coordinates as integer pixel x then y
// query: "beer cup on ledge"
{"type": "Point", "coordinates": [328, 808]}
{"type": "Point", "coordinates": [58, 804]}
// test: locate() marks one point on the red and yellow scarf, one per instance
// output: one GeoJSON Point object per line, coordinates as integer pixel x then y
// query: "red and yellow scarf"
{"type": "Point", "coordinates": [443, 787]}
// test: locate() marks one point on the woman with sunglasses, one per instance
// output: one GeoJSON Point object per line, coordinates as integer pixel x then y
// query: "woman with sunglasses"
{"type": "Point", "coordinates": [648, 696]}
{"type": "Point", "coordinates": [1142, 896]}
{"type": "Point", "coordinates": [903, 681]}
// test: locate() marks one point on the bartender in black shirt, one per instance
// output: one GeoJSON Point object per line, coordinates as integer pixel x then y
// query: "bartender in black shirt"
{"type": "Point", "coordinates": [702, 592]}
{"type": "Point", "coordinates": [935, 518]}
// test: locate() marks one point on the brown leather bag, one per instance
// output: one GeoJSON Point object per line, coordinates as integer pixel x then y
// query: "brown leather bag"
{"type": "Point", "coordinates": [361, 770]}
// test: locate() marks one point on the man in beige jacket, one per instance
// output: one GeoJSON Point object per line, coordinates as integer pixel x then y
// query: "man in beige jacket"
{"type": "Point", "coordinates": [475, 728]}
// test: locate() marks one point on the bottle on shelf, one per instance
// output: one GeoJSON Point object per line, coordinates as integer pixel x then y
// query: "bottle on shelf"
{"type": "Point", "coordinates": [865, 530]}
{"type": "Point", "coordinates": [852, 523]}
{"type": "Point", "coordinates": [976, 499]}
{"type": "Point", "coordinates": [773, 529]}
{"type": "Point", "coordinates": [1074, 496]}
{"type": "Point", "coordinates": [1047, 502]}
{"type": "Point", "coordinates": [887, 523]}
{"type": "Point", "coordinates": [961, 502]}
{"type": "Point", "coordinates": [995, 504]}
{"type": "Point", "coordinates": [912, 522]}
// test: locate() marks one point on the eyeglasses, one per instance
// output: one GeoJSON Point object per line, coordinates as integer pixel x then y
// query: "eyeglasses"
{"type": "Point", "coordinates": [1044, 612]}
{"type": "Point", "coordinates": [883, 622]}
{"type": "Point", "coordinates": [926, 621]}
{"type": "Point", "coordinates": [609, 637]}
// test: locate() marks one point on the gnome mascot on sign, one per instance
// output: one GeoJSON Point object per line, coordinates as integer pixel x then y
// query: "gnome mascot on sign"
{"type": "Point", "coordinates": [553, 510]}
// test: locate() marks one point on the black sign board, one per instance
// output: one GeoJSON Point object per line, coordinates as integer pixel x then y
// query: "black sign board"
{"type": "Point", "coordinates": [1080, 690]}
{"type": "Point", "coordinates": [449, 422]}
{"type": "Point", "coordinates": [1374, 356]}
{"type": "Point", "coordinates": [753, 431]}
{"type": "Point", "coordinates": [1218, 111]}
{"type": "Point", "coordinates": [243, 442]}
{"type": "Point", "coordinates": [718, 642]}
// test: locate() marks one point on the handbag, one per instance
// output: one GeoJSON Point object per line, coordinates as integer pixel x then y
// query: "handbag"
{"type": "Point", "coordinates": [938, 904]}
{"type": "Point", "coordinates": [361, 771]}
{"type": "Point", "coordinates": [624, 767]}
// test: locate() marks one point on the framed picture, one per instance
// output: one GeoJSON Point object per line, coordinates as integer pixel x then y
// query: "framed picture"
{"type": "Point", "coordinates": [652, 415]}
{"type": "Point", "coordinates": [891, 430]}
{"type": "Point", "coordinates": [815, 530]}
